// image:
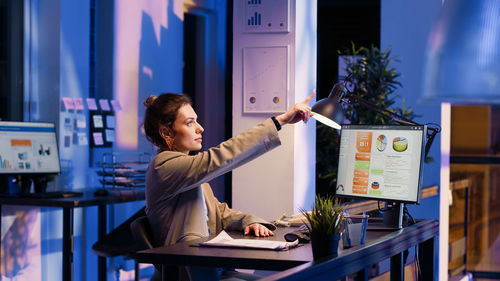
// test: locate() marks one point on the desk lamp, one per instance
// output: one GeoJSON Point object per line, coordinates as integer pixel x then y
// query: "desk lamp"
{"type": "Point", "coordinates": [329, 111]}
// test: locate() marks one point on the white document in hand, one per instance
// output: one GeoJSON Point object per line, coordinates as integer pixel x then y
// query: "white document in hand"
{"type": "Point", "coordinates": [224, 240]}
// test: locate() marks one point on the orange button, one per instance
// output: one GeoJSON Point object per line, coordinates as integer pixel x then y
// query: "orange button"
{"type": "Point", "coordinates": [20, 142]}
{"type": "Point", "coordinates": [361, 173]}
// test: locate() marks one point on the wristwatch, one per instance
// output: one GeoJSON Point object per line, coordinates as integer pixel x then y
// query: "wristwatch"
{"type": "Point", "coordinates": [276, 123]}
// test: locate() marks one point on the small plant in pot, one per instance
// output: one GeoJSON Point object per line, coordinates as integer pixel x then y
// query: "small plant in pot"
{"type": "Point", "coordinates": [325, 223]}
{"type": "Point", "coordinates": [40, 182]}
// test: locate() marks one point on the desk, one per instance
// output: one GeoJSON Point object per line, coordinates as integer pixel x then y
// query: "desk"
{"type": "Point", "coordinates": [68, 204]}
{"type": "Point", "coordinates": [297, 263]}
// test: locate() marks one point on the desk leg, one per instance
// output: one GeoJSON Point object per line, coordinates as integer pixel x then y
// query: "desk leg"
{"type": "Point", "coordinates": [397, 267]}
{"type": "Point", "coordinates": [164, 276]}
{"type": "Point", "coordinates": [67, 244]}
{"type": "Point", "coordinates": [101, 233]}
{"type": "Point", "coordinates": [427, 259]}
{"type": "Point", "coordinates": [362, 275]}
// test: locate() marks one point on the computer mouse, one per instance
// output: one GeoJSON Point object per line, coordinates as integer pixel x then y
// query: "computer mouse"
{"type": "Point", "coordinates": [101, 192]}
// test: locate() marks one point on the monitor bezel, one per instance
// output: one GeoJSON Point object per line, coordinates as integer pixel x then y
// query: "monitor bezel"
{"type": "Point", "coordinates": [34, 174]}
{"type": "Point", "coordinates": [421, 167]}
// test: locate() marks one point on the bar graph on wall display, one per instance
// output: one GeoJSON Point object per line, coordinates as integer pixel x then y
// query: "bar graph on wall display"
{"type": "Point", "coordinates": [255, 20]}
{"type": "Point", "coordinates": [266, 16]}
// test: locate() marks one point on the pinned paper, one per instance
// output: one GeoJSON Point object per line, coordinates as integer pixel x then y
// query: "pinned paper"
{"type": "Point", "coordinates": [82, 138]}
{"type": "Point", "coordinates": [68, 126]}
{"type": "Point", "coordinates": [110, 121]}
{"type": "Point", "coordinates": [81, 121]}
{"type": "Point", "coordinates": [98, 138]}
{"type": "Point", "coordinates": [104, 103]}
{"type": "Point", "coordinates": [78, 103]}
{"type": "Point", "coordinates": [68, 103]}
{"type": "Point", "coordinates": [67, 141]}
{"type": "Point", "coordinates": [110, 135]}
{"type": "Point", "coordinates": [98, 121]}
{"type": "Point", "coordinates": [91, 104]}
{"type": "Point", "coordinates": [116, 105]}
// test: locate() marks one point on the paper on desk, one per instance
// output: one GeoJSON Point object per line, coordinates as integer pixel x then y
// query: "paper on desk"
{"type": "Point", "coordinates": [293, 220]}
{"type": "Point", "coordinates": [224, 240]}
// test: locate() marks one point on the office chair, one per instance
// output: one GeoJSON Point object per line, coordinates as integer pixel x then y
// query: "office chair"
{"type": "Point", "coordinates": [142, 233]}
{"type": "Point", "coordinates": [118, 241]}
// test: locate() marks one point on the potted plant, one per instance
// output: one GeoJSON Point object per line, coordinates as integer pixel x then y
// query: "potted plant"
{"type": "Point", "coordinates": [325, 223]}
{"type": "Point", "coordinates": [40, 182]}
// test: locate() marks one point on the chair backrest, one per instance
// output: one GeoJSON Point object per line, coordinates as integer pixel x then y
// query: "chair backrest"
{"type": "Point", "coordinates": [143, 234]}
{"type": "Point", "coordinates": [141, 231]}
{"type": "Point", "coordinates": [118, 242]}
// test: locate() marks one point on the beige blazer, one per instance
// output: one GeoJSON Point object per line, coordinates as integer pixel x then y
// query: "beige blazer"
{"type": "Point", "coordinates": [180, 205]}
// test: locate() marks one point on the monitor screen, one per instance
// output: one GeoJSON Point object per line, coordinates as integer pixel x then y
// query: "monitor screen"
{"type": "Point", "coordinates": [28, 148]}
{"type": "Point", "coordinates": [382, 162]}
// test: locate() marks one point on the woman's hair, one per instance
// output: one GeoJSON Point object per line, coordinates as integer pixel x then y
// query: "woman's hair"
{"type": "Point", "coordinates": [162, 110]}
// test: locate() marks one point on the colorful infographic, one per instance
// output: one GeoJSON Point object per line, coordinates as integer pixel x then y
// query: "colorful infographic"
{"type": "Point", "coordinates": [380, 163]}
{"type": "Point", "coordinates": [28, 148]}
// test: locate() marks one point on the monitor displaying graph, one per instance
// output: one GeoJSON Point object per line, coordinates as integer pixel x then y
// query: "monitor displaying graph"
{"type": "Point", "coordinates": [382, 162]}
{"type": "Point", "coordinates": [28, 148]}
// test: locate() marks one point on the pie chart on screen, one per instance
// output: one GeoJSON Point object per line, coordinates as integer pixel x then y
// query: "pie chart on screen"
{"type": "Point", "coordinates": [381, 142]}
{"type": "Point", "coordinates": [400, 144]}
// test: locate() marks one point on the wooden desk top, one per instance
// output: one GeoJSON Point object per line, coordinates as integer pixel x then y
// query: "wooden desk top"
{"type": "Point", "coordinates": [378, 247]}
{"type": "Point", "coordinates": [189, 254]}
{"type": "Point", "coordinates": [87, 199]}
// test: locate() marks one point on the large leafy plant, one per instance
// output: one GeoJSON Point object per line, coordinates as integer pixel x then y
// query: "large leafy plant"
{"type": "Point", "coordinates": [370, 74]}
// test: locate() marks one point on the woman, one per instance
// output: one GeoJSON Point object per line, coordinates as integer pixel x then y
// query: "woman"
{"type": "Point", "coordinates": [179, 203]}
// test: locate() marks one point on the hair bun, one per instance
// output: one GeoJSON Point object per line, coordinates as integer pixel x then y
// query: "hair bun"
{"type": "Point", "coordinates": [149, 101]}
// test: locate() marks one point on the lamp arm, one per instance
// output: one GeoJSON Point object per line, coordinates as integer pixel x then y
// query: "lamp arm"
{"type": "Point", "coordinates": [375, 108]}
{"type": "Point", "coordinates": [431, 131]}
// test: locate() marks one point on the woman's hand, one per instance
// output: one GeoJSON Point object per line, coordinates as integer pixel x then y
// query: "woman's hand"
{"type": "Point", "coordinates": [300, 111]}
{"type": "Point", "coordinates": [258, 229]}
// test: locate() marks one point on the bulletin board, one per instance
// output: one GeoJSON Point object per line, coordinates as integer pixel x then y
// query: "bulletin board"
{"type": "Point", "coordinates": [265, 79]}
{"type": "Point", "coordinates": [102, 124]}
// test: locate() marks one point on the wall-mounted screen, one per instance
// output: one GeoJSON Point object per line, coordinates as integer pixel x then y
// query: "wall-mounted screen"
{"type": "Point", "coordinates": [28, 148]}
{"type": "Point", "coordinates": [382, 162]}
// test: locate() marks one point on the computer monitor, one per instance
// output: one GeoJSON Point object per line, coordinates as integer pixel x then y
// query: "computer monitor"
{"type": "Point", "coordinates": [28, 148]}
{"type": "Point", "coordinates": [381, 162]}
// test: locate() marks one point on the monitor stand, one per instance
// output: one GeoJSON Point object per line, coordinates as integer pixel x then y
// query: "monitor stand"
{"type": "Point", "coordinates": [394, 218]}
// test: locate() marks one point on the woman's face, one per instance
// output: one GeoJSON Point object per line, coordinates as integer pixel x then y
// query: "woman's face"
{"type": "Point", "coordinates": [187, 131]}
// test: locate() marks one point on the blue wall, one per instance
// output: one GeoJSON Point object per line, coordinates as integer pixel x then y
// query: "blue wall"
{"type": "Point", "coordinates": [405, 27]}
